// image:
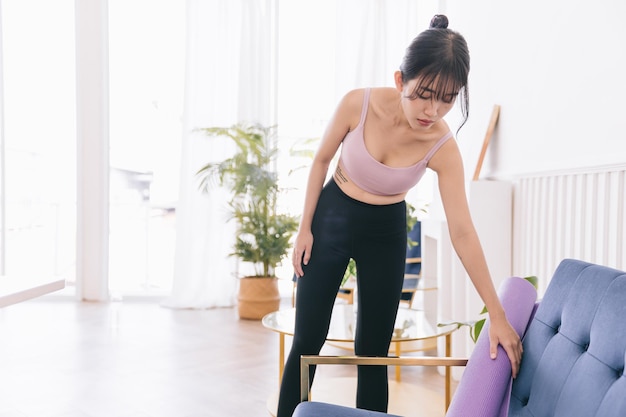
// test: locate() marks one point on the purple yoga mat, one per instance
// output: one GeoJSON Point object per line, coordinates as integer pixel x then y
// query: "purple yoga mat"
{"type": "Point", "coordinates": [484, 388]}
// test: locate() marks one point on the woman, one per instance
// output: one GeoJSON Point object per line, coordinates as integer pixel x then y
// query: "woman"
{"type": "Point", "coordinates": [388, 136]}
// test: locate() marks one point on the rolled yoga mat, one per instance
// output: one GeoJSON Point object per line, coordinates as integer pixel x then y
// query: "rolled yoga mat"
{"type": "Point", "coordinates": [484, 388]}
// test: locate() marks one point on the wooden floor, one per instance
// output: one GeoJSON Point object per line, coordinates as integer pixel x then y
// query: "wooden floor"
{"type": "Point", "coordinates": [138, 359]}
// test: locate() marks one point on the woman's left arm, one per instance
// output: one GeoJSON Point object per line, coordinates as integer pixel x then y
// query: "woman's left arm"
{"type": "Point", "coordinates": [448, 165]}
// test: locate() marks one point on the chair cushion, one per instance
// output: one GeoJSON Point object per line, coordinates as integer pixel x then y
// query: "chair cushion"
{"type": "Point", "coordinates": [574, 347]}
{"type": "Point", "coordinates": [317, 409]}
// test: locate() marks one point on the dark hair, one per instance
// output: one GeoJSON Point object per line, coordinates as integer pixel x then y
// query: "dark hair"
{"type": "Point", "coordinates": [439, 55]}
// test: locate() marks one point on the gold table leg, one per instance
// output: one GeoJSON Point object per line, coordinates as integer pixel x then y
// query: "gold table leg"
{"type": "Point", "coordinates": [281, 357]}
{"type": "Point", "coordinates": [448, 371]}
{"type": "Point", "coordinates": [398, 369]}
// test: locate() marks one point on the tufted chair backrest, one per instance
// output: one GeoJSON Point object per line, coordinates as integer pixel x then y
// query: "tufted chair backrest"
{"type": "Point", "coordinates": [575, 347]}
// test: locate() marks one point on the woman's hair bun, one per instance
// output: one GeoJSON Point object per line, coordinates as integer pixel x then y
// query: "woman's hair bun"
{"type": "Point", "coordinates": [439, 21]}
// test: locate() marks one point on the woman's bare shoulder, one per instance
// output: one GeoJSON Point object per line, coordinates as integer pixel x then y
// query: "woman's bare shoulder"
{"type": "Point", "coordinates": [447, 158]}
{"type": "Point", "coordinates": [378, 96]}
{"type": "Point", "coordinates": [349, 108]}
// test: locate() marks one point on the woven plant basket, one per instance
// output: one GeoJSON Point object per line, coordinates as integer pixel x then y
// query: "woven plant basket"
{"type": "Point", "coordinates": [257, 297]}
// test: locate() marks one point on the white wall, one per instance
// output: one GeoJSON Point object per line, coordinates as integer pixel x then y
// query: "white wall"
{"type": "Point", "coordinates": [557, 69]}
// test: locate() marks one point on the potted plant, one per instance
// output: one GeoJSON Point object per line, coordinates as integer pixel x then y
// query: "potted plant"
{"type": "Point", "coordinates": [263, 234]}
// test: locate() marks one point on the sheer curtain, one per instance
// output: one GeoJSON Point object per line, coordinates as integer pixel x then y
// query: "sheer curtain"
{"type": "Point", "coordinates": [231, 76]}
{"type": "Point", "coordinates": [230, 54]}
{"type": "Point", "coordinates": [372, 36]}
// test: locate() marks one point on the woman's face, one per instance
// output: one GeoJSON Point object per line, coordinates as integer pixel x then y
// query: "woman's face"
{"type": "Point", "coordinates": [425, 103]}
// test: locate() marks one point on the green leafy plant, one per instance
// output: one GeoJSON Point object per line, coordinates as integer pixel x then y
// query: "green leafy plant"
{"type": "Point", "coordinates": [350, 271]}
{"type": "Point", "coordinates": [476, 327]}
{"type": "Point", "coordinates": [263, 234]}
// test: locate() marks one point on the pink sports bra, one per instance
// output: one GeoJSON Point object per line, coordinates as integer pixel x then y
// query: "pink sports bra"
{"type": "Point", "coordinates": [374, 176]}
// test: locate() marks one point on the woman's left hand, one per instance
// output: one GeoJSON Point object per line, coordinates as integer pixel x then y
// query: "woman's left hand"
{"type": "Point", "coordinates": [502, 333]}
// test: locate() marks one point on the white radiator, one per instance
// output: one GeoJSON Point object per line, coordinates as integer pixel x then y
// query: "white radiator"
{"type": "Point", "coordinates": [555, 216]}
{"type": "Point", "coordinates": [569, 215]}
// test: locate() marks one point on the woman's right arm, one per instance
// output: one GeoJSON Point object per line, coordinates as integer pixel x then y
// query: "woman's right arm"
{"type": "Point", "coordinates": [340, 124]}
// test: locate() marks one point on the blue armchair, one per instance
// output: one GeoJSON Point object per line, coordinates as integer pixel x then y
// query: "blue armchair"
{"type": "Point", "coordinates": [574, 354]}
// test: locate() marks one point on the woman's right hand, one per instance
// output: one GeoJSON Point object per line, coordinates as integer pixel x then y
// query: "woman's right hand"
{"type": "Point", "coordinates": [302, 251]}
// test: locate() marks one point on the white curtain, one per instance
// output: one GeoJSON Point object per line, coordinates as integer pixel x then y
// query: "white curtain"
{"type": "Point", "coordinates": [372, 36]}
{"type": "Point", "coordinates": [231, 76]}
{"type": "Point", "coordinates": [228, 79]}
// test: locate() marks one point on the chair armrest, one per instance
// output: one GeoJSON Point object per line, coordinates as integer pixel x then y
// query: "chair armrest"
{"type": "Point", "coordinates": [308, 360]}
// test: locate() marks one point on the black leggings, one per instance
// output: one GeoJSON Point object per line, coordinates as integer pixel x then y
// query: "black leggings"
{"type": "Point", "coordinates": [375, 236]}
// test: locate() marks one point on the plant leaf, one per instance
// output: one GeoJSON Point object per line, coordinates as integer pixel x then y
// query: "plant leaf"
{"type": "Point", "coordinates": [533, 280]}
{"type": "Point", "coordinates": [478, 327]}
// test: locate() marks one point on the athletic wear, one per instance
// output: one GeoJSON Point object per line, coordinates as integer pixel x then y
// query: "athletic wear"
{"type": "Point", "coordinates": [375, 236]}
{"type": "Point", "coordinates": [373, 176]}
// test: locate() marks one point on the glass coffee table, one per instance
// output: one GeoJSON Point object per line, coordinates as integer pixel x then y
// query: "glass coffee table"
{"type": "Point", "coordinates": [412, 332]}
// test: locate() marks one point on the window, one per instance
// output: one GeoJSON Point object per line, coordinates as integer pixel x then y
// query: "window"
{"type": "Point", "coordinates": [39, 142]}
{"type": "Point", "coordinates": [146, 78]}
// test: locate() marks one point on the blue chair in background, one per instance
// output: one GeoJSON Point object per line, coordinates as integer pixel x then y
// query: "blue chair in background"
{"type": "Point", "coordinates": [413, 269]}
